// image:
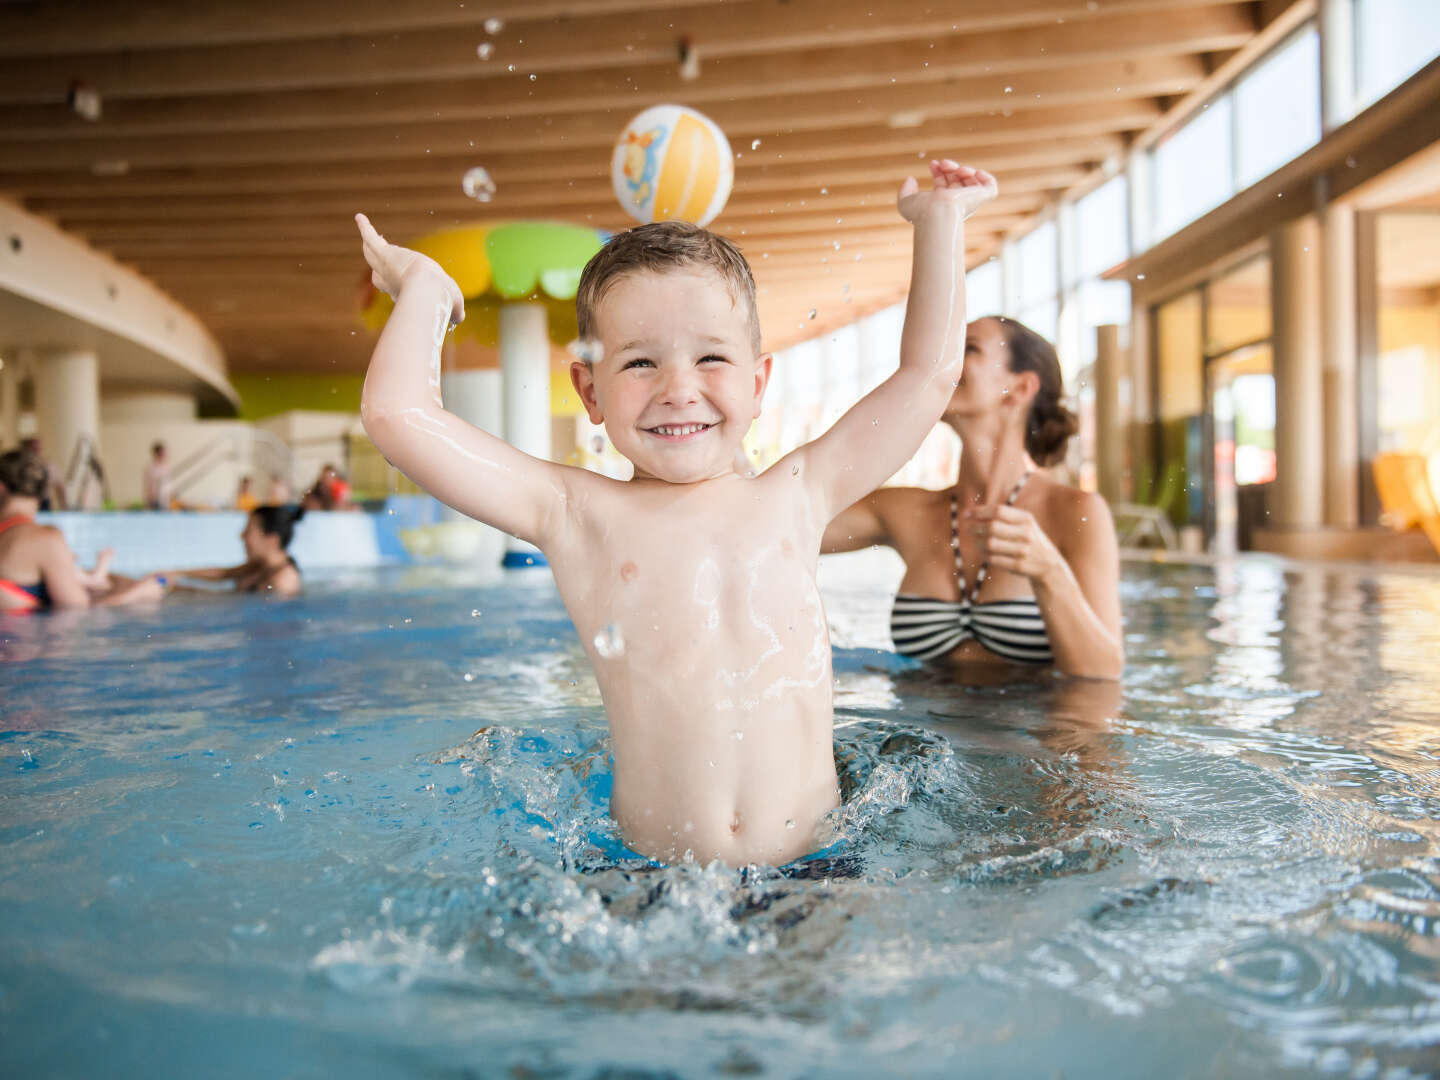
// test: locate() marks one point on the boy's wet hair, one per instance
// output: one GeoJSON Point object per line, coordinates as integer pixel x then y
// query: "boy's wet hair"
{"type": "Point", "coordinates": [657, 248]}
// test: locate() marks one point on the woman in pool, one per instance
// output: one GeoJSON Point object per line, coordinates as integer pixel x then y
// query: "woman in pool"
{"type": "Point", "coordinates": [268, 567]}
{"type": "Point", "coordinates": [1008, 566]}
{"type": "Point", "coordinates": [37, 567]}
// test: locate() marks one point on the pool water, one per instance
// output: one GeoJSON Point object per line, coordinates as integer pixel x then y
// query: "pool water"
{"type": "Point", "coordinates": [362, 834]}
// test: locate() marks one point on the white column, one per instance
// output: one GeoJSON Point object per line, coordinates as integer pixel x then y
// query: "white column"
{"type": "Point", "coordinates": [1342, 421]}
{"type": "Point", "coordinates": [525, 364]}
{"type": "Point", "coordinates": [474, 396]}
{"type": "Point", "coordinates": [67, 405]}
{"type": "Point", "coordinates": [1296, 296]}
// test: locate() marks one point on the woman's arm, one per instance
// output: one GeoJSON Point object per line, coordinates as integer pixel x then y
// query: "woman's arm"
{"type": "Point", "coordinates": [858, 526]}
{"type": "Point", "coordinates": [60, 573]}
{"type": "Point", "coordinates": [208, 573]}
{"type": "Point", "coordinates": [1077, 585]}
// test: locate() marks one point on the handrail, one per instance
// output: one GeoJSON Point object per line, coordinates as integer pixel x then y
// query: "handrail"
{"type": "Point", "coordinates": [226, 449]}
{"type": "Point", "coordinates": [84, 466]}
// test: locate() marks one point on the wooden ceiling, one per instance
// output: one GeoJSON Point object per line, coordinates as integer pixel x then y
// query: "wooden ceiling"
{"type": "Point", "coordinates": [237, 140]}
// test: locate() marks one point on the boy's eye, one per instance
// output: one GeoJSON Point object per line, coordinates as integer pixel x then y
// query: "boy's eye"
{"type": "Point", "coordinates": [715, 357]}
{"type": "Point", "coordinates": [637, 362]}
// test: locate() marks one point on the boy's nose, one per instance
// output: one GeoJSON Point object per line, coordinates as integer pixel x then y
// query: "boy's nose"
{"type": "Point", "coordinates": [681, 388]}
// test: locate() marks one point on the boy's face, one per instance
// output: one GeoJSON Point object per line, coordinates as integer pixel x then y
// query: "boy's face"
{"type": "Point", "coordinates": [679, 382]}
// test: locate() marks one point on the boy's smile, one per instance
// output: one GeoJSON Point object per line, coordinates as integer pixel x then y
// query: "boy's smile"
{"type": "Point", "coordinates": [679, 382]}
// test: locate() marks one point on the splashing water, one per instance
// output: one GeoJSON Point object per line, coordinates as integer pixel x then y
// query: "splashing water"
{"type": "Point", "coordinates": [494, 25]}
{"type": "Point", "coordinates": [610, 642]}
{"type": "Point", "coordinates": [587, 350]}
{"type": "Point", "coordinates": [485, 50]}
{"type": "Point", "coordinates": [477, 184]}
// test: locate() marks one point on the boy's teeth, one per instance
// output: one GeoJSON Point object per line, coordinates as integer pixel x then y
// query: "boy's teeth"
{"type": "Point", "coordinates": [680, 429]}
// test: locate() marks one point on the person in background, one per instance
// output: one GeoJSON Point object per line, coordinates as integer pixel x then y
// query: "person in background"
{"type": "Point", "coordinates": [1008, 566]}
{"type": "Point", "coordinates": [268, 567]}
{"type": "Point", "coordinates": [37, 567]}
{"type": "Point", "coordinates": [330, 491]}
{"type": "Point", "coordinates": [245, 495]}
{"type": "Point", "coordinates": [53, 495]}
{"type": "Point", "coordinates": [279, 491]}
{"type": "Point", "coordinates": [157, 479]}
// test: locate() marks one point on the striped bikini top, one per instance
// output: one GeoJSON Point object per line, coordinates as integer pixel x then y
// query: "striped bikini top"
{"type": "Point", "coordinates": [925, 628]}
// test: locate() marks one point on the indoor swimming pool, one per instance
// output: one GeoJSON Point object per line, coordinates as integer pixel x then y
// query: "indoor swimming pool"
{"type": "Point", "coordinates": [362, 834]}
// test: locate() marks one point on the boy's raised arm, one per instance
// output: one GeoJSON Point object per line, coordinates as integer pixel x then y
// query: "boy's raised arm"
{"type": "Point", "coordinates": [459, 464]}
{"type": "Point", "coordinates": [881, 431]}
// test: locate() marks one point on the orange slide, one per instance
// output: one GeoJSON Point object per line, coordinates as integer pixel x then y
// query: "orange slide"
{"type": "Point", "coordinates": [1409, 493]}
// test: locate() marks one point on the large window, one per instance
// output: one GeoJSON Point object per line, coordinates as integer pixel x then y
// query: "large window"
{"type": "Point", "coordinates": [1277, 108]}
{"type": "Point", "coordinates": [1037, 291]}
{"type": "Point", "coordinates": [1394, 39]}
{"type": "Point", "coordinates": [984, 291]}
{"type": "Point", "coordinates": [1194, 168]}
{"type": "Point", "coordinates": [1102, 228]}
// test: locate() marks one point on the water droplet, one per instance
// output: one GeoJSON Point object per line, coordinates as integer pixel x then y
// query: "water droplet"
{"type": "Point", "coordinates": [494, 25]}
{"type": "Point", "coordinates": [754, 144]}
{"type": "Point", "coordinates": [532, 76]}
{"type": "Point", "coordinates": [477, 185]}
{"type": "Point", "coordinates": [586, 350]}
{"type": "Point", "coordinates": [1350, 161]}
{"type": "Point", "coordinates": [795, 471]}
{"type": "Point", "coordinates": [824, 191]}
{"type": "Point", "coordinates": [485, 50]}
{"type": "Point", "coordinates": [469, 677]}
{"type": "Point", "coordinates": [509, 67]}
{"type": "Point", "coordinates": [1139, 277]}
{"type": "Point", "coordinates": [475, 613]}
{"type": "Point", "coordinates": [1009, 89]}
{"type": "Point", "coordinates": [610, 642]}
{"type": "Point", "coordinates": [812, 313]}
{"type": "Point", "coordinates": [836, 243]}
{"type": "Point", "coordinates": [789, 824]}
{"type": "Point", "coordinates": [737, 735]}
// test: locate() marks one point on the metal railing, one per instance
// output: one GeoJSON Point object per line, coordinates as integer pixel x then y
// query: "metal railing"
{"type": "Point", "coordinates": [266, 453]}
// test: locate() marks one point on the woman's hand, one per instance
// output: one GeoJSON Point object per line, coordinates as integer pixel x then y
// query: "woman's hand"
{"type": "Point", "coordinates": [1015, 542]}
{"type": "Point", "coordinates": [954, 183]}
{"type": "Point", "coordinates": [392, 266]}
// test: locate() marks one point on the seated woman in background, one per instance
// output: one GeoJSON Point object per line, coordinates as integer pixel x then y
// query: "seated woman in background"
{"type": "Point", "coordinates": [37, 567]}
{"type": "Point", "coordinates": [268, 567]}
{"type": "Point", "coordinates": [1009, 566]}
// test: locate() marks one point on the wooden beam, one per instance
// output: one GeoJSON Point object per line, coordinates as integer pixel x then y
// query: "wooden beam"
{"type": "Point", "coordinates": [741, 51]}
{"type": "Point", "coordinates": [49, 29]}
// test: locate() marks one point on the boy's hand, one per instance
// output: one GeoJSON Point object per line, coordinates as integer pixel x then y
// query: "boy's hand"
{"type": "Point", "coordinates": [391, 266]}
{"type": "Point", "coordinates": [954, 183]}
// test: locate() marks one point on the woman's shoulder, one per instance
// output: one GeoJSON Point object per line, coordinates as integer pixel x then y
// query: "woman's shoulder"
{"type": "Point", "coordinates": [1069, 506]}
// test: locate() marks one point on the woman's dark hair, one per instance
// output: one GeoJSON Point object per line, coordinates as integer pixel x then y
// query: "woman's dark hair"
{"type": "Point", "coordinates": [23, 473]}
{"type": "Point", "coordinates": [278, 521]}
{"type": "Point", "coordinates": [1050, 423]}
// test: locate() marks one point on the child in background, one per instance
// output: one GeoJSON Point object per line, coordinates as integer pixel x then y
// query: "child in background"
{"type": "Point", "coordinates": [692, 585]}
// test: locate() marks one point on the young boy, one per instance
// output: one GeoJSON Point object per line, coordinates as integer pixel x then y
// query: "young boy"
{"type": "Point", "coordinates": [692, 585]}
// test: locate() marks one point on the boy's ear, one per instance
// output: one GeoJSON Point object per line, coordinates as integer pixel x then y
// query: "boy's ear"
{"type": "Point", "coordinates": [762, 379]}
{"type": "Point", "coordinates": [582, 377]}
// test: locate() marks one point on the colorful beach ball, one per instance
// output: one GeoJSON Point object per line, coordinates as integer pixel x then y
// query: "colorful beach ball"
{"type": "Point", "coordinates": [672, 163]}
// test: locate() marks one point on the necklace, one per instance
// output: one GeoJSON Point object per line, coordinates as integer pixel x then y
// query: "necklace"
{"type": "Point", "coordinates": [955, 542]}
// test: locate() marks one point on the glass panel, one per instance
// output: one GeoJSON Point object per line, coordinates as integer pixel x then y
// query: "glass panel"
{"type": "Point", "coordinates": [1038, 264]}
{"type": "Point", "coordinates": [1394, 39]}
{"type": "Point", "coordinates": [1193, 170]}
{"type": "Point", "coordinates": [1102, 227]}
{"type": "Point", "coordinates": [1043, 318]}
{"type": "Point", "coordinates": [1238, 307]}
{"type": "Point", "coordinates": [984, 291]}
{"type": "Point", "coordinates": [1409, 375]}
{"type": "Point", "coordinates": [1180, 358]}
{"type": "Point", "coordinates": [1277, 108]}
{"type": "Point", "coordinates": [1101, 302]}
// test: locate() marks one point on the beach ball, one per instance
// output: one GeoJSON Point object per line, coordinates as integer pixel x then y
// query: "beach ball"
{"type": "Point", "coordinates": [672, 163]}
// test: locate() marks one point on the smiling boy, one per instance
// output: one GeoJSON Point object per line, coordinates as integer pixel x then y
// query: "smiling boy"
{"type": "Point", "coordinates": [692, 585]}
